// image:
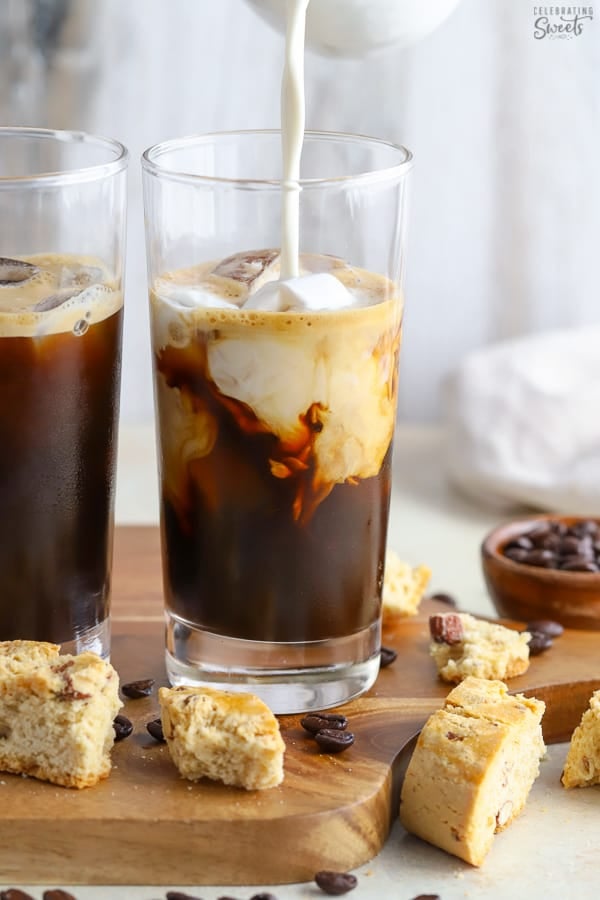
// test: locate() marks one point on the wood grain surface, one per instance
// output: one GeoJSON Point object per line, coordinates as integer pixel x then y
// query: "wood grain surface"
{"type": "Point", "coordinates": [145, 825]}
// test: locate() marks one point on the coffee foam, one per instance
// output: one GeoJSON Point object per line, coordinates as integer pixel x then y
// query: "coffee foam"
{"type": "Point", "coordinates": [251, 281]}
{"type": "Point", "coordinates": [78, 291]}
{"type": "Point", "coordinates": [338, 365]}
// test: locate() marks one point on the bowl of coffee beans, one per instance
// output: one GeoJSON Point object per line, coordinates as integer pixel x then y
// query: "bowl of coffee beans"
{"type": "Point", "coordinates": [545, 567]}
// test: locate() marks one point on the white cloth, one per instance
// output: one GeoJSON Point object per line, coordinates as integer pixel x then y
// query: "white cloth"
{"type": "Point", "coordinates": [524, 422]}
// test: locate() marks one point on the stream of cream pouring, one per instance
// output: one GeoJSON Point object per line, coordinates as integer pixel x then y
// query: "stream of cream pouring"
{"type": "Point", "coordinates": [293, 117]}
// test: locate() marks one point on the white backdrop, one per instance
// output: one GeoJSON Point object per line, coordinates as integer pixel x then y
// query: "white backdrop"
{"type": "Point", "coordinates": [505, 215]}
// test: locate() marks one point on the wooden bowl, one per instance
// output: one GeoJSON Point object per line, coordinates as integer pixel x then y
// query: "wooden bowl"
{"type": "Point", "coordinates": [526, 592]}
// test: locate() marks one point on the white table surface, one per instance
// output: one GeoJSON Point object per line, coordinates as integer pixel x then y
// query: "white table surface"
{"type": "Point", "coordinates": [553, 849]}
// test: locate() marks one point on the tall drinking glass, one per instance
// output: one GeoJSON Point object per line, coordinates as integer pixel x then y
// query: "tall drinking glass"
{"type": "Point", "coordinates": [275, 409]}
{"type": "Point", "coordinates": [62, 215]}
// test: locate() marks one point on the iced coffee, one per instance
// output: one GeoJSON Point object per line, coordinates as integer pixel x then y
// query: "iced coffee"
{"type": "Point", "coordinates": [276, 406]}
{"type": "Point", "coordinates": [60, 340]}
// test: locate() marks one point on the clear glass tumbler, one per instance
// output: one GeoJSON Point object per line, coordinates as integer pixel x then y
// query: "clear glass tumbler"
{"type": "Point", "coordinates": [275, 425]}
{"type": "Point", "coordinates": [62, 217]}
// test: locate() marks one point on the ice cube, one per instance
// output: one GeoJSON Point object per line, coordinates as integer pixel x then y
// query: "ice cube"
{"type": "Point", "coordinates": [308, 292]}
{"type": "Point", "coordinates": [79, 276]}
{"type": "Point", "coordinates": [252, 268]}
{"type": "Point", "coordinates": [52, 301]}
{"type": "Point", "coordinates": [14, 271]}
{"type": "Point", "coordinates": [190, 296]}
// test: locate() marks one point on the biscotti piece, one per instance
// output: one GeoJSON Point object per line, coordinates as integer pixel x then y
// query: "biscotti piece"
{"type": "Point", "coordinates": [462, 645]}
{"type": "Point", "coordinates": [403, 587]}
{"type": "Point", "coordinates": [233, 738]}
{"type": "Point", "coordinates": [473, 767]}
{"type": "Point", "coordinates": [582, 765]}
{"type": "Point", "coordinates": [56, 713]}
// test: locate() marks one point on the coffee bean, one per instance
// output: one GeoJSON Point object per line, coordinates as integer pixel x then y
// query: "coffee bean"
{"type": "Point", "coordinates": [538, 642]}
{"type": "Point", "coordinates": [335, 883]}
{"type": "Point", "coordinates": [520, 543]}
{"type": "Point", "coordinates": [538, 557]}
{"type": "Point", "coordinates": [332, 741]}
{"type": "Point", "coordinates": [387, 657]}
{"type": "Point", "coordinates": [442, 597]}
{"type": "Point", "coordinates": [123, 727]}
{"type": "Point", "coordinates": [427, 897]}
{"type": "Point", "coordinates": [136, 689]}
{"type": "Point", "coordinates": [178, 895]}
{"type": "Point", "coordinates": [539, 533]}
{"type": "Point", "coordinates": [314, 722]}
{"type": "Point", "coordinates": [14, 894]}
{"type": "Point", "coordinates": [551, 542]}
{"type": "Point", "coordinates": [57, 894]}
{"type": "Point", "coordinates": [546, 626]}
{"type": "Point", "coordinates": [581, 529]}
{"type": "Point", "coordinates": [155, 729]}
{"type": "Point", "coordinates": [264, 895]}
{"type": "Point", "coordinates": [517, 554]}
{"type": "Point", "coordinates": [579, 564]}
{"type": "Point", "coordinates": [570, 545]}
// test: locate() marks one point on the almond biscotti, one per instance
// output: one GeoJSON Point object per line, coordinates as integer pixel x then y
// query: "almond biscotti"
{"type": "Point", "coordinates": [462, 645]}
{"type": "Point", "coordinates": [56, 713]}
{"type": "Point", "coordinates": [582, 765]}
{"type": "Point", "coordinates": [233, 738]}
{"type": "Point", "coordinates": [473, 767]}
{"type": "Point", "coordinates": [403, 587]}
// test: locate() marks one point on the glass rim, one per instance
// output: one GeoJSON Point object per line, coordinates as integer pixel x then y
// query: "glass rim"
{"type": "Point", "coordinates": [151, 165]}
{"type": "Point", "coordinates": [78, 175]}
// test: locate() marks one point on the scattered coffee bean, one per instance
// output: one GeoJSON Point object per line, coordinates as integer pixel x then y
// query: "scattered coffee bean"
{"type": "Point", "coordinates": [446, 628]}
{"type": "Point", "coordinates": [264, 895]}
{"type": "Point", "coordinates": [123, 727]}
{"type": "Point", "coordinates": [387, 657]}
{"type": "Point", "coordinates": [57, 894]}
{"type": "Point", "coordinates": [335, 883]}
{"type": "Point", "coordinates": [554, 545]}
{"type": "Point", "coordinates": [155, 729]}
{"type": "Point", "coordinates": [314, 722]}
{"type": "Point", "coordinates": [546, 626]}
{"type": "Point", "coordinates": [427, 897]}
{"type": "Point", "coordinates": [178, 895]}
{"type": "Point", "coordinates": [538, 642]}
{"type": "Point", "coordinates": [136, 689]}
{"type": "Point", "coordinates": [441, 597]}
{"type": "Point", "coordinates": [331, 740]}
{"type": "Point", "coordinates": [14, 894]}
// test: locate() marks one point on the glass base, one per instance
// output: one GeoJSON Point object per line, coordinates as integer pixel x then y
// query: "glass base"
{"type": "Point", "coordinates": [288, 677]}
{"type": "Point", "coordinates": [96, 639]}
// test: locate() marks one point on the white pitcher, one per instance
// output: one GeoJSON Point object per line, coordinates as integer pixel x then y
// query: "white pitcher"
{"type": "Point", "coordinates": [358, 27]}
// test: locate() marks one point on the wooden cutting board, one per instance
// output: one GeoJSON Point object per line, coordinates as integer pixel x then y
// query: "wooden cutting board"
{"type": "Point", "coordinates": [145, 825]}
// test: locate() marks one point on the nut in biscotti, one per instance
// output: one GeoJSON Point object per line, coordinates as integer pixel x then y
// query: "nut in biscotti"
{"type": "Point", "coordinates": [446, 628]}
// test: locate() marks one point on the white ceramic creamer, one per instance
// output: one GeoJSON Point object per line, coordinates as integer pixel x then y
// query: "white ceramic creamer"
{"type": "Point", "coordinates": [359, 27]}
